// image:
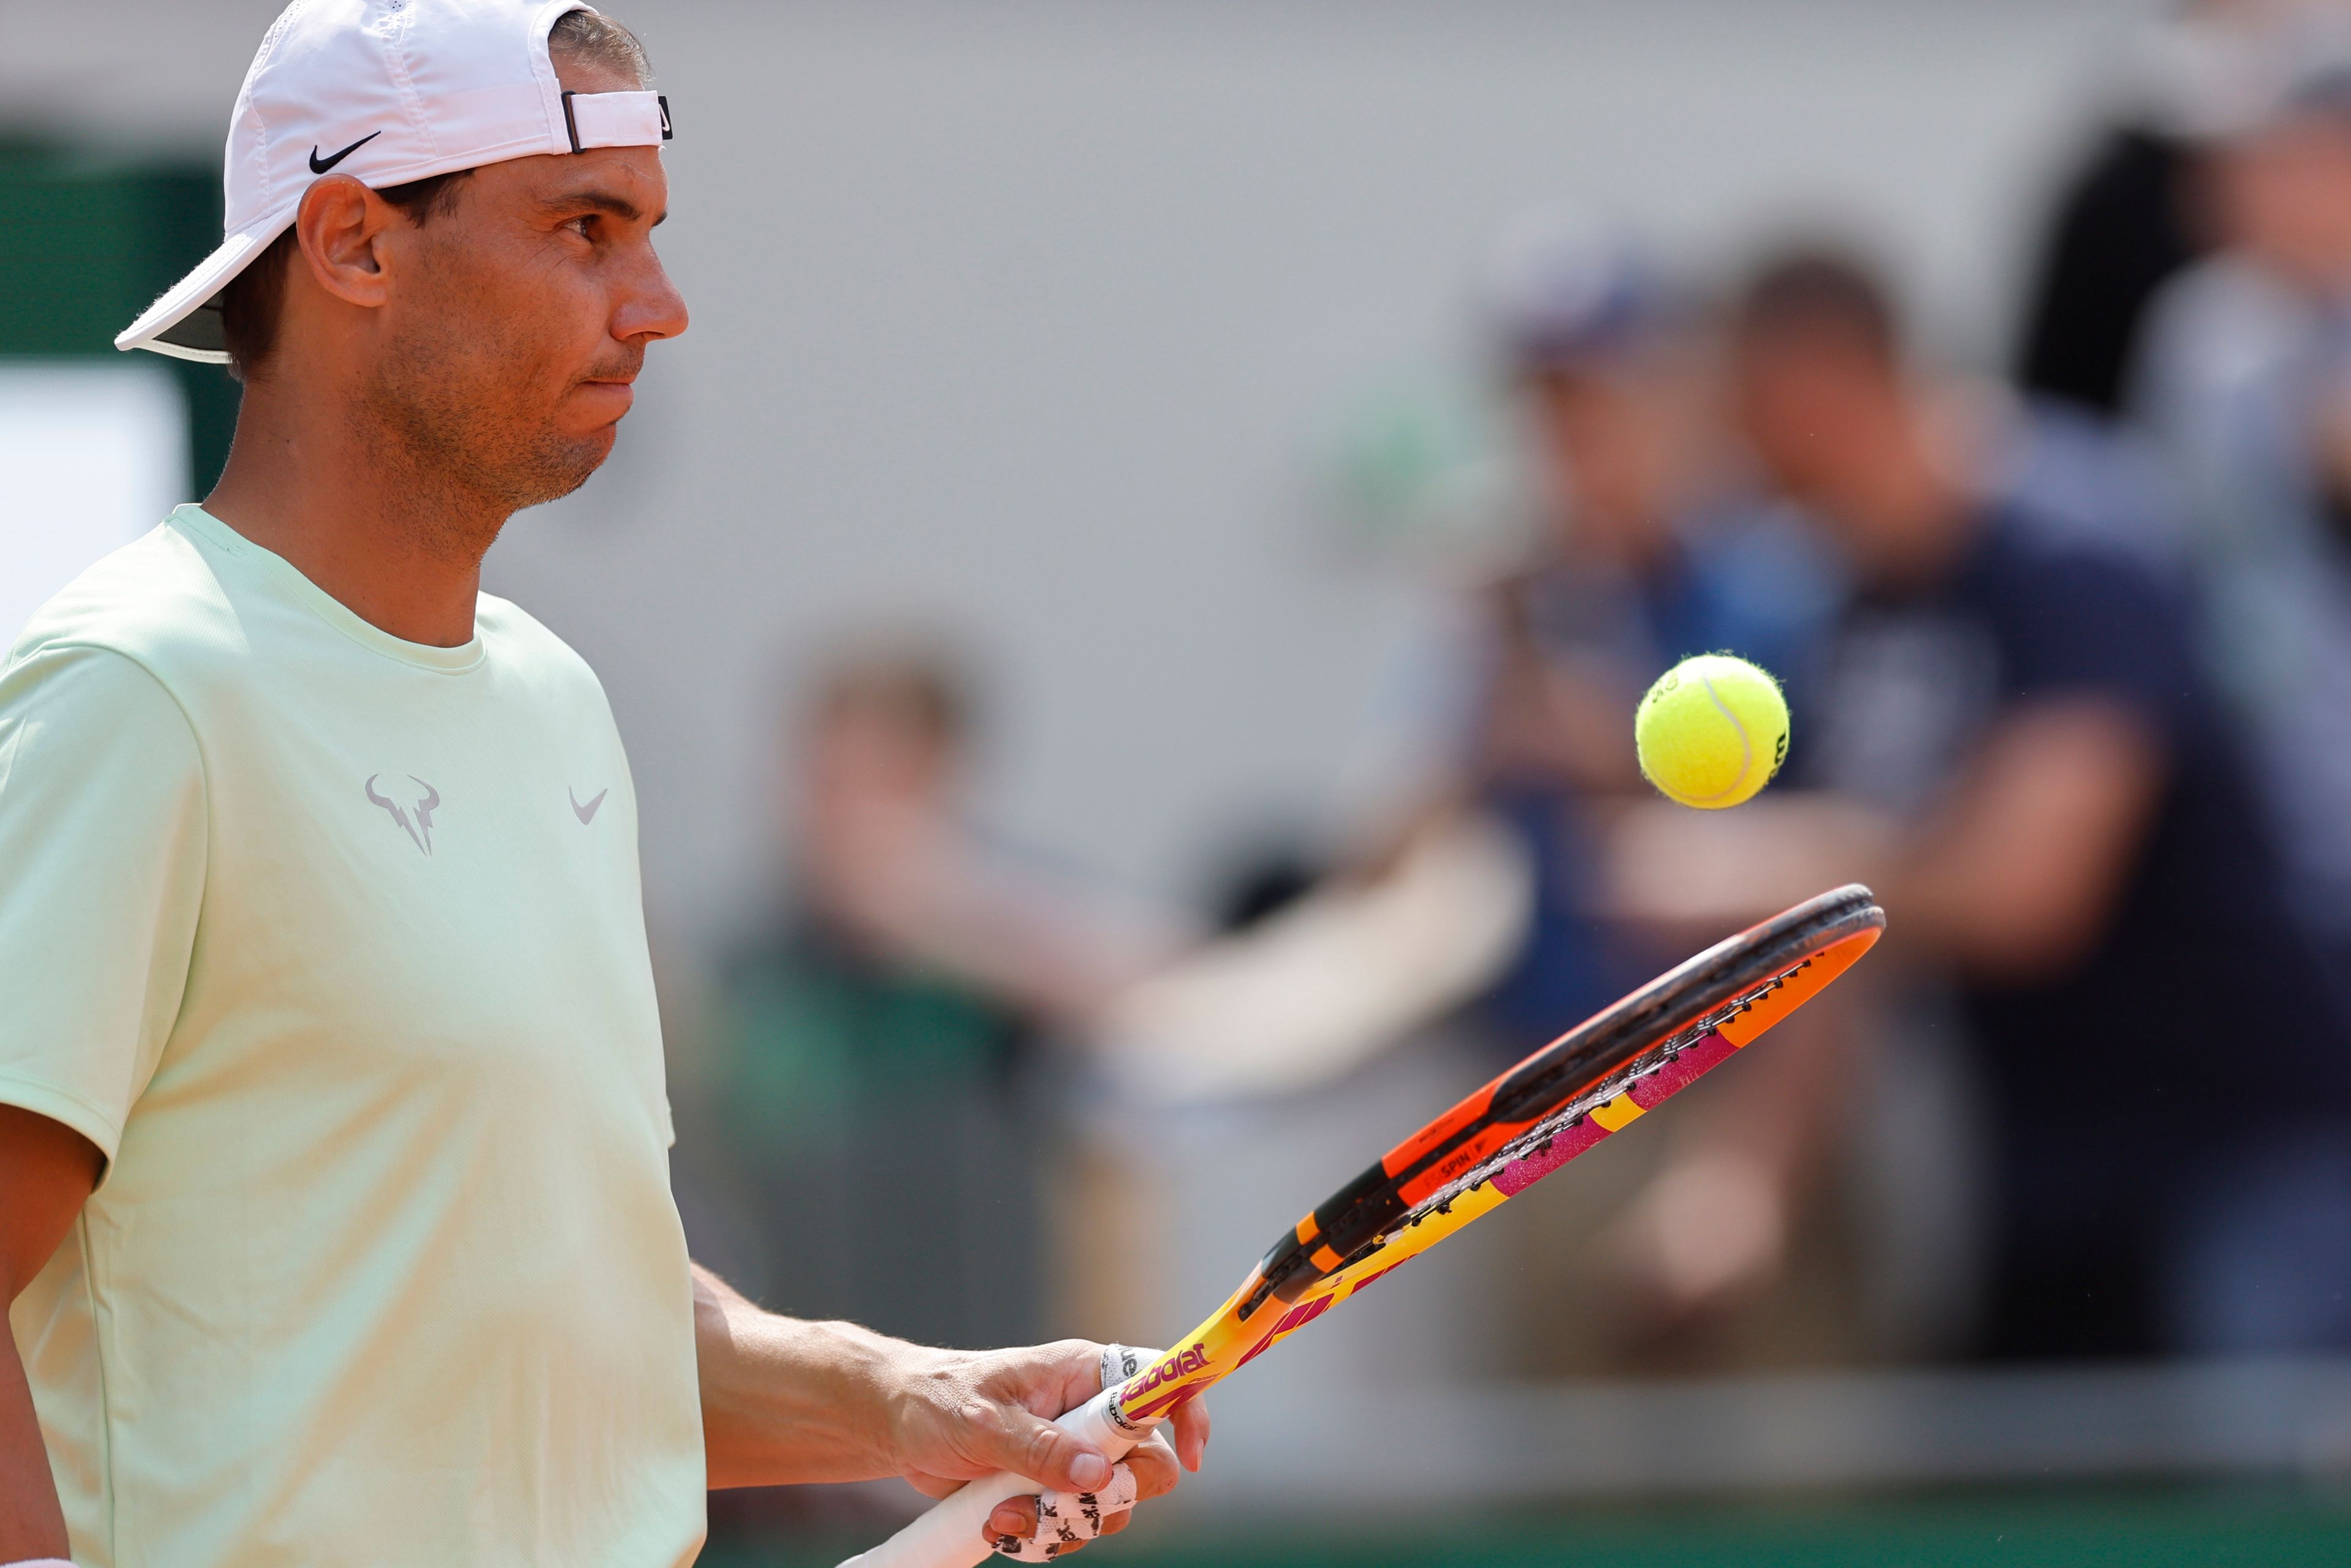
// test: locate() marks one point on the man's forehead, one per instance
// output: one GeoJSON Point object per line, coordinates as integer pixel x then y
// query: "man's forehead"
{"type": "Point", "coordinates": [627, 181]}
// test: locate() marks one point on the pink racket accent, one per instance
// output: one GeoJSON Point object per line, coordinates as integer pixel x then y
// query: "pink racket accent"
{"type": "Point", "coordinates": [1688, 1066]}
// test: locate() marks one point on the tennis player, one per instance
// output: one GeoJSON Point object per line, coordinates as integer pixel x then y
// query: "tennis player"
{"type": "Point", "coordinates": [334, 1202]}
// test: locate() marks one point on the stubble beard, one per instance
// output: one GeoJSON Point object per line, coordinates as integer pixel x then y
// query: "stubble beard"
{"type": "Point", "coordinates": [450, 415]}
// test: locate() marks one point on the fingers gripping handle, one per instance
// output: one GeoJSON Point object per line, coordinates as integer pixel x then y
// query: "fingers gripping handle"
{"type": "Point", "coordinates": [948, 1535]}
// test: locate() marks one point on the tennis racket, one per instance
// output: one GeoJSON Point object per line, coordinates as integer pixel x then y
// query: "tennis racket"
{"type": "Point", "coordinates": [1485, 1151]}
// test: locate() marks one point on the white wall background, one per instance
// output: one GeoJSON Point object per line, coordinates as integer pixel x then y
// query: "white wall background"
{"type": "Point", "coordinates": [94, 454]}
{"type": "Point", "coordinates": [1025, 314]}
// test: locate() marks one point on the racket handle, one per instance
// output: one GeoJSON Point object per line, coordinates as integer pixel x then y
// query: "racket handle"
{"type": "Point", "coordinates": [948, 1534]}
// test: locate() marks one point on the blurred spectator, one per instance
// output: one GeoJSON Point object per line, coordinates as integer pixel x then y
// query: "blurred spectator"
{"type": "Point", "coordinates": [2126, 219]}
{"type": "Point", "coordinates": [2135, 210]}
{"type": "Point", "coordinates": [2248, 383]}
{"type": "Point", "coordinates": [2121, 228]}
{"type": "Point", "coordinates": [866, 1085]}
{"type": "Point", "coordinates": [1644, 555]}
{"type": "Point", "coordinates": [2013, 743]}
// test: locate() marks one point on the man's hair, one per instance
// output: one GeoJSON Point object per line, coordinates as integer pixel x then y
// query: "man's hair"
{"type": "Point", "coordinates": [251, 303]}
{"type": "Point", "coordinates": [590, 38]}
{"type": "Point", "coordinates": [920, 686]}
{"type": "Point", "coordinates": [1820, 291]}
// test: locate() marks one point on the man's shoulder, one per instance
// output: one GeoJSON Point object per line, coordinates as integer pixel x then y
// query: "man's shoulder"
{"type": "Point", "coordinates": [2077, 606]}
{"type": "Point", "coordinates": [2037, 552]}
{"type": "Point", "coordinates": [520, 643]}
{"type": "Point", "coordinates": [156, 601]}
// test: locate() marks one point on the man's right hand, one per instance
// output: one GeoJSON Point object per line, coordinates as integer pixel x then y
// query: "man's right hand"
{"type": "Point", "coordinates": [47, 1171]}
{"type": "Point", "coordinates": [955, 1416]}
{"type": "Point", "coordinates": [786, 1402]}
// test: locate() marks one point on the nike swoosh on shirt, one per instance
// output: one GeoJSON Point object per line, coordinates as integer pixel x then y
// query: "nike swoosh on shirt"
{"type": "Point", "coordinates": [586, 813]}
{"type": "Point", "coordinates": [321, 165]}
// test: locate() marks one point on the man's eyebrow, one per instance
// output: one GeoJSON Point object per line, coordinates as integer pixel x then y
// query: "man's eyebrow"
{"type": "Point", "coordinates": [596, 201]}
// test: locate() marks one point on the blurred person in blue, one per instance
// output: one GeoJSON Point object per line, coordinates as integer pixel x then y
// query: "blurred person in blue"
{"type": "Point", "coordinates": [1646, 549]}
{"type": "Point", "coordinates": [2008, 736]}
{"type": "Point", "coordinates": [2247, 381]}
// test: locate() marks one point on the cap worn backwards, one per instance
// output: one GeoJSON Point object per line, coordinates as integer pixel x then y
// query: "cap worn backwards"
{"type": "Point", "coordinates": [387, 91]}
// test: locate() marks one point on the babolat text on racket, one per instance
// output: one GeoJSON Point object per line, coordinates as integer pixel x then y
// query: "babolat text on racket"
{"type": "Point", "coordinates": [1479, 1155]}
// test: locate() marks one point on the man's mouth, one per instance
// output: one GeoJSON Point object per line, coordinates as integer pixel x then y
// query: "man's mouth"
{"type": "Point", "coordinates": [614, 375]}
{"type": "Point", "coordinates": [610, 398]}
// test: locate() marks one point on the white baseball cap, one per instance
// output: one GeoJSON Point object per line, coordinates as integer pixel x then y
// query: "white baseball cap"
{"type": "Point", "coordinates": [388, 91]}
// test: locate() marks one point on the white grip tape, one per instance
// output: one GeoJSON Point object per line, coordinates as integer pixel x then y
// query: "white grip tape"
{"type": "Point", "coordinates": [1068, 1519]}
{"type": "Point", "coordinates": [948, 1536]}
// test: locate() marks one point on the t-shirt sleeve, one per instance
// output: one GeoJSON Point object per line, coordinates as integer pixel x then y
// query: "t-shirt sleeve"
{"type": "Point", "coordinates": [102, 833]}
{"type": "Point", "coordinates": [2083, 623]}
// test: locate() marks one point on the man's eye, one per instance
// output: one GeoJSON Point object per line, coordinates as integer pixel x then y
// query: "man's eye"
{"type": "Point", "coordinates": [583, 226]}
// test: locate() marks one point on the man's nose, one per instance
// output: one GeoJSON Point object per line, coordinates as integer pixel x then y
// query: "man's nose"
{"type": "Point", "coordinates": [652, 308]}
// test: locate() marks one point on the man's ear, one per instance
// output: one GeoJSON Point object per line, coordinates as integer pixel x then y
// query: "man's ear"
{"type": "Point", "coordinates": [340, 228]}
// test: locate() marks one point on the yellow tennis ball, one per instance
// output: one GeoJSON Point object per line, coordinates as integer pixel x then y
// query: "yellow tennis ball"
{"type": "Point", "coordinates": [1712, 731]}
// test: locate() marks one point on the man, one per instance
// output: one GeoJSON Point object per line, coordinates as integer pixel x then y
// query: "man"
{"type": "Point", "coordinates": [333, 1201]}
{"type": "Point", "coordinates": [2011, 745]}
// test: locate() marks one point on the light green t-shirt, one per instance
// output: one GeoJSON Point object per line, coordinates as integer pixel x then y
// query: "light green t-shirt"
{"type": "Point", "coordinates": [334, 944]}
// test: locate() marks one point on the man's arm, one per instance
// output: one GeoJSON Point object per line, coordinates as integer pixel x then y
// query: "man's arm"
{"type": "Point", "coordinates": [2021, 876]}
{"type": "Point", "coordinates": [2015, 878]}
{"type": "Point", "coordinates": [784, 1402]}
{"type": "Point", "coordinates": [2012, 881]}
{"type": "Point", "coordinates": [45, 1171]}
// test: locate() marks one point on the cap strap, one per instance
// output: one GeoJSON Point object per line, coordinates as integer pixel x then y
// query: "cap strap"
{"type": "Point", "coordinates": [615, 120]}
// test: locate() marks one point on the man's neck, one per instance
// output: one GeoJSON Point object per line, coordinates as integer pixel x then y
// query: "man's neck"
{"type": "Point", "coordinates": [352, 508]}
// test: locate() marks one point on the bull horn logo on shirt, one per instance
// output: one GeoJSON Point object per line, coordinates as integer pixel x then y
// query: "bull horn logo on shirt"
{"type": "Point", "coordinates": [419, 828]}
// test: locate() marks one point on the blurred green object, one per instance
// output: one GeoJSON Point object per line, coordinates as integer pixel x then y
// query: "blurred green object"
{"type": "Point", "coordinates": [2256, 1528]}
{"type": "Point", "coordinates": [1417, 466]}
{"type": "Point", "coordinates": [89, 241]}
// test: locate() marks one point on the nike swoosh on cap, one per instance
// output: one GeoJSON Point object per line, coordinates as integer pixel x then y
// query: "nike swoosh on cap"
{"type": "Point", "coordinates": [586, 813]}
{"type": "Point", "coordinates": [321, 165]}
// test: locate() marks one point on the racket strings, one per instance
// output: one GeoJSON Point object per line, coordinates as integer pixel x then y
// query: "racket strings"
{"type": "Point", "coordinates": [1538, 1139]}
{"type": "Point", "coordinates": [1652, 1061]}
{"type": "Point", "coordinates": [1543, 1088]}
{"type": "Point", "coordinates": [1550, 1092]}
